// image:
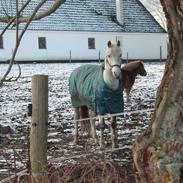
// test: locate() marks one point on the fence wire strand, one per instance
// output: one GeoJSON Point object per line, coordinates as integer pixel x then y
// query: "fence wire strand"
{"type": "Point", "coordinates": [110, 115]}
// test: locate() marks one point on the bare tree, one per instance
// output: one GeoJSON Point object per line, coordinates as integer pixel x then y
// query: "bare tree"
{"type": "Point", "coordinates": [158, 152]}
{"type": "Point", "coordinates": [19, 18]}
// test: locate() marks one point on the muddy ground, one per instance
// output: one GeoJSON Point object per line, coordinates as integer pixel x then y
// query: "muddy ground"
{"type": "Point", "coordinates": [14, 124]}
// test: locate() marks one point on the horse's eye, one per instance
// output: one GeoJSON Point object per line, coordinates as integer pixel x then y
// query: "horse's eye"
{"type": "Point", "coordinates": [109, 56]}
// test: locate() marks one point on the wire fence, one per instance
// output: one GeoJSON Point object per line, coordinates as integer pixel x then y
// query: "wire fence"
{"type": "Point", "coordinates": [110, 115]}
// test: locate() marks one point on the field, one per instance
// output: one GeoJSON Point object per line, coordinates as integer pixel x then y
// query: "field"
{"type": "Point", "coordinates": [62, 155]}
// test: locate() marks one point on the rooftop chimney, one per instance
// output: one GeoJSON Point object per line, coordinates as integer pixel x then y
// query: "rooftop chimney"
{"type": "Point", "coordinates": [119, 11]}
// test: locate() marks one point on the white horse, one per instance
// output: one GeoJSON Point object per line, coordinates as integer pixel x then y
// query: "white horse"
{"type": "Point", "coordinates": [99, 88]}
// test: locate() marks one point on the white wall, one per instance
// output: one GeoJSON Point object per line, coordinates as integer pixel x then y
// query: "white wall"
{"type": "Point", "coordinates": [59, 44]}
{"type": "Point", "coordinates": [144, 46]}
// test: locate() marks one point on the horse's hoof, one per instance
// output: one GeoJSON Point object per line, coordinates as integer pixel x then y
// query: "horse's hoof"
{"type": "Point", "coordinates": [96, 142]}
{"type": "Point", "coordinates": [128, 100]}
{"type": "Point", "coordinates": [85, 134]}
{"type": "Point", "coordinates": [74, 142]}
{"type": "Point", "coordinates": [102, 146]}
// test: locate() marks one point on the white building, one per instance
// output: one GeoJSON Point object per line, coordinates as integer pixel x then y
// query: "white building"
{"type": "Point", "coordinates": [79, 30]}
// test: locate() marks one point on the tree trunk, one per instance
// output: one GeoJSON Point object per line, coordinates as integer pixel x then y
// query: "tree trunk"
{"type": "Point", "coordinates": [158, 152]}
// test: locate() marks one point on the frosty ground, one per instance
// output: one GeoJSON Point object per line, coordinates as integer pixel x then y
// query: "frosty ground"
{"type": "Point", "coordinates": [14, 122]}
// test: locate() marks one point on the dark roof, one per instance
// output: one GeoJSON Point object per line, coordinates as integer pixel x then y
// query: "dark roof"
{"type": "Point", "coordinates": [92, 15]}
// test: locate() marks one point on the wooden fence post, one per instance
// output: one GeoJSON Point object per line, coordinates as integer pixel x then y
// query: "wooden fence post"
{"type": "Point", "coordinates": [70, 56]}
{"type": "Point", "coordinates": [127, 57]}
{"type": "Point", "coordinates": [160, 54]}
{"type": "Point", "coordinates": [38, 135]}
{"type": "Point", "coordinates": [99, 56]}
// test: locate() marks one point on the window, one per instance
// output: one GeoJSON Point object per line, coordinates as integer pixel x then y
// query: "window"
{"type": "Point", "coordinates": [42, 42]}
{"type": "Point", "coordinates": [91, 43]}
{"type": "Point", "coordinates": [1, 42]}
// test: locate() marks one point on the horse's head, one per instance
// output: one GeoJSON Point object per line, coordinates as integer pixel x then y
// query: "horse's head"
{"type": "Point", "coordinates": [113, 59]}
{"type": "Point", "coordinates": [141, 69]}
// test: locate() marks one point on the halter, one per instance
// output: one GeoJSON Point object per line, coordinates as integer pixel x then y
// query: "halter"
{"type": "Point", "coordinates": [115, 65]}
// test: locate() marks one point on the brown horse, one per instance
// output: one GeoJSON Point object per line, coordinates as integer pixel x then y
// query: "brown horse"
{"type": "Point", "coordinates": [129, 73]}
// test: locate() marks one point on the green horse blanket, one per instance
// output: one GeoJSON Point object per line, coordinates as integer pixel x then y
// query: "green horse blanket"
{"type": "Point", "coordinates": [88, 88]}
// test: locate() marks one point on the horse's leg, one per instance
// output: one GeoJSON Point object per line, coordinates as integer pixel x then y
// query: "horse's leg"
{"type": "Point", "coordinates": [130, 85]}
{"type": "Point", "coordinates": [93, 128]}
{"type": "Point", "coordinates": [85, 125]}
{"type": "Point", "coordinates": [76, 117]}
{"type": "Point", "coordinates": [127, 91]}
{"type": "Point", "coordinates": [114, 132]}
{"type": "Point", "coordinates": [102, 127]}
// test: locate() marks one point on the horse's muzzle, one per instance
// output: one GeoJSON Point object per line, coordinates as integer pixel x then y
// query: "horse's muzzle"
{"type": "Point", "coordinates": [144, 74]}
{"type": "Point", "coordinates": [117, 76]}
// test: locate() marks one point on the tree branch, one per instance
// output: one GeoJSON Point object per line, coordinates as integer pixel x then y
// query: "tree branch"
{"type": "Point", "coordinates": [37, 16]}
{"type": "Point", "coordinates": [13, 19]}
{"type": "Point", "coordinates": [19, 40]}
{"type": "Point", "coordinates": [27, 20]}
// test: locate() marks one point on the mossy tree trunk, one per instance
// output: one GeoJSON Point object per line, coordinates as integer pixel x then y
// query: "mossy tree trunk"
{"type": "Point", "coordinates": [158, 152]}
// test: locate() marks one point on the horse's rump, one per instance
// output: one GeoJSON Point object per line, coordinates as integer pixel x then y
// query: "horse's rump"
{"type": "Point", "coordinates": [83, 84]}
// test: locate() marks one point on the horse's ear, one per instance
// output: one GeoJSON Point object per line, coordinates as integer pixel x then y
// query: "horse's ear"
{"type": "Point", "coordinates": [109, 44]}
{"type": "Point", "coordinates": [118, 43]}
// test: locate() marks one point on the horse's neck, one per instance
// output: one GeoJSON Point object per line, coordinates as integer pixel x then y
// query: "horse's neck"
{"type": "Point", "coordinates": [132, 73]}
{"type": "Point", "coordinates": [128, 77]}
{"type": "Point", "coordinates": [110, 80]}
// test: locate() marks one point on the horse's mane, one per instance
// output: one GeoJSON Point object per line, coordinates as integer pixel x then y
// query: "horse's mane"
{"type": "Point", "coordinates": [132, 65]}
